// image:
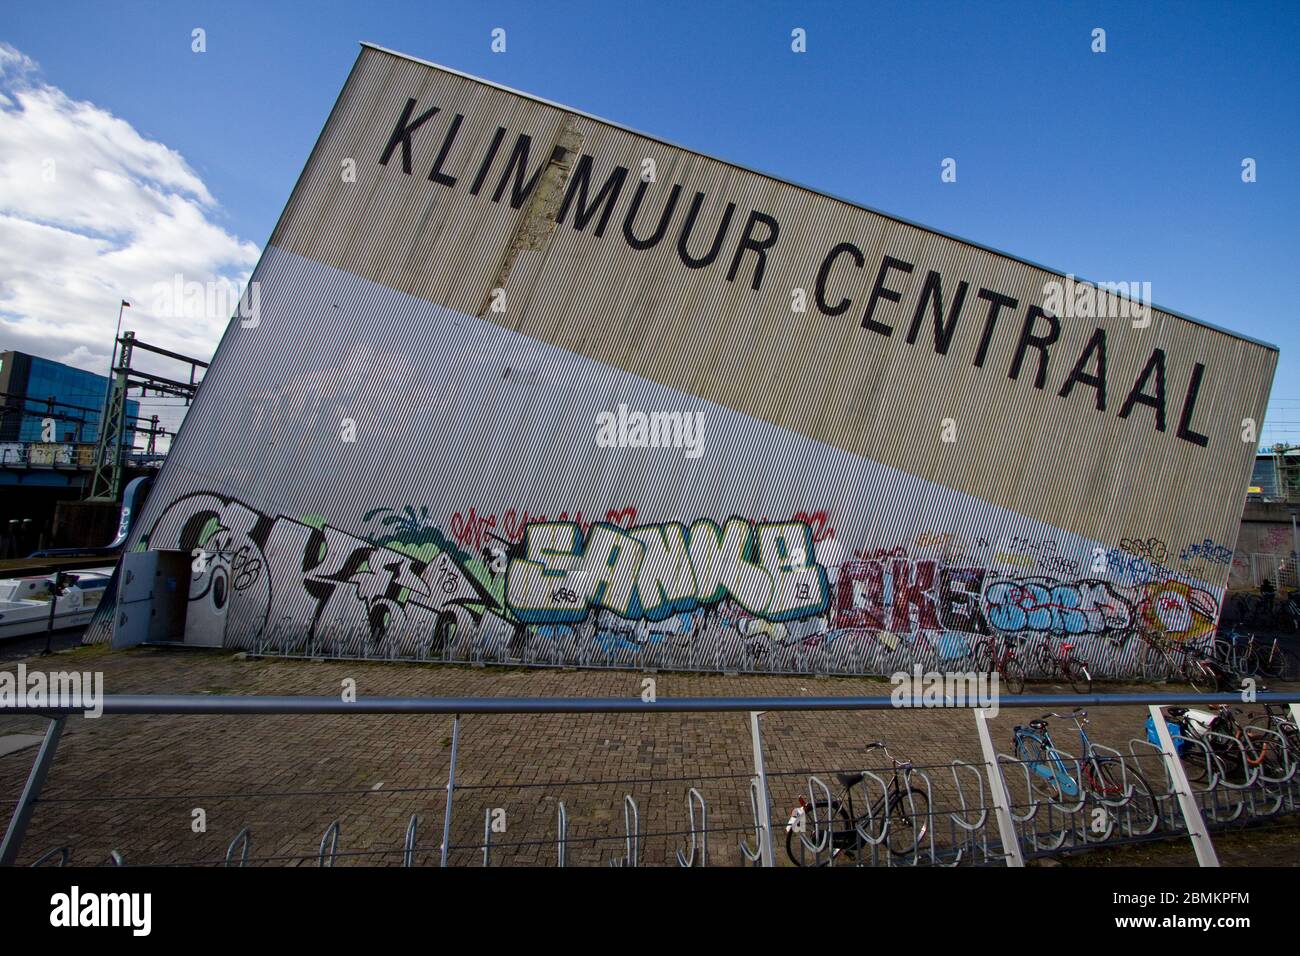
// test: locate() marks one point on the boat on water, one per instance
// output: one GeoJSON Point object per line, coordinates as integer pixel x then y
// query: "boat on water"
{"type": "Point", "coordinates": [25, 602]}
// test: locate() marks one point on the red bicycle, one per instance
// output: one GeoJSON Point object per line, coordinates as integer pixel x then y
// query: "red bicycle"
{"type": "Point", "coordinates": [1064, 664]}
{"type": "Point", "coordinates": [989, 658]}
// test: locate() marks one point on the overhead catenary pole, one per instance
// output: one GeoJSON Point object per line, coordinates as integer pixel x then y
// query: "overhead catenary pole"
{"type": "Point", "coordinates": [112, 361]}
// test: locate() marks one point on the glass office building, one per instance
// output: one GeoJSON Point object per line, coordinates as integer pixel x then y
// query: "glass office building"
{"type": "Point", "coordinates": [33, 389]}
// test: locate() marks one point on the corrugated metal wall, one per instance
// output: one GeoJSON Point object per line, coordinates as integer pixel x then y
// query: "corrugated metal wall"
{"type": "Point", "coordinates": [378, 300]}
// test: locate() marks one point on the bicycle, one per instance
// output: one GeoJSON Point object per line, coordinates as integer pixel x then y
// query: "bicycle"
{"type": "Point", "coordinates": [1065, 665]}
{"type": "Point", "coordinates": [988, 659]}
{"type": "Point", "coordinates": [1277, 662]}
{"type": "Point", "coordinates": [1279, 721]}
{"type": "Point", "coordinates": [1194, 668]}
{"type": "Point", "coordinates": [1103, 776]}
{"type": "Point", "coordinates": [900, 818]}
{"type": "Point", "coordinates": [1254, 747]}
{"type": "Point", "coordinates": [1217, 741]}
{"type": "Point", "coordinates": [1151, 659]}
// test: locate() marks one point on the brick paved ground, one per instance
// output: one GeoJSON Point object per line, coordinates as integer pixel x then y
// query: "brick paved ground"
{"type": "Point", "coordinates": [244, 771]}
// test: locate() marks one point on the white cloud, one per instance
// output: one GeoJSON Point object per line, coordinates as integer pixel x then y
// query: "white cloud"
{"type": "Point", "coordinates": [92, 212]}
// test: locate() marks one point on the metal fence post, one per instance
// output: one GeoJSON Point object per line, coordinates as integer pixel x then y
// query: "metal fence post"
{"type": "Point", "coordinates": [998, 790]}
{"type": "Point", "coordinates": [451, 789]}
{"type": "Point", "coordinates": [1200, 836]}
{"type": "Point", "coordinates": [31, 792]}
{"type": "Point", "coordinates": [764, 800]}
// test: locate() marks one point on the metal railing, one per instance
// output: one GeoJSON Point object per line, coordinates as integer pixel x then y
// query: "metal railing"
{"type": "Point", "coordinates": [998, 809]}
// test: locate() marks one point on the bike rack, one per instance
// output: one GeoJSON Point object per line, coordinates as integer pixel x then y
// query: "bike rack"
{"type": "Point", "coordinates": [1236, 793]}
{"type": "Point", "coordinates": [911, 804]}
{"type": "Point", "coordinates": [632, 839]}
{"type": "Point", "coordinates": [865, 837]}
{"type": "Point", "coordinates": [61, 853]}
{"type": "Point", "coordinates": [968, 832]}
{"type": "Point", "coordinates": [824, 844]}
{"type": "Point", "coordinates": [1196, 829]}
{"type": "Point", "coordinates": [1126, 801]}
{"type": "Point", "coordinates": [244, 840]}
{"type": "Point", "coordinates": [408, 848]}
{"type": "Point", "coordinates": [754, 855]}
{"type": "Point", "coordinates": [687, 860]}
{"type": "Point", "coordinates": [330, 838]}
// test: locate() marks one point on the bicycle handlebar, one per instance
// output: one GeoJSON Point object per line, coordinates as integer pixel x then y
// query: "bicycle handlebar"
{"type": "Point", "coordinates": [880, 745]}
{"type": "Point", "coordinates": [1078, 714]}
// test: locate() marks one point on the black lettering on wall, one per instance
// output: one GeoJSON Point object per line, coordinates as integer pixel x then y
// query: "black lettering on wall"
{"type": "Point", "coordinates": [932, 295]}
{"type": "Point", "coordinates": [823, 273]}
{"type": "Point", "coordinates": [1138, 395]}
{"type": "Point", "coordinates": [520, 190]}
{"type": "Point", "coordinates": [579, 186]}
{"type": "Point", "coordinates": [1029, 340]}
{"type": "Point", "coordinates": [1189, 407]}
{"type": "Point", "coordinates": [487, 160]}
{"type": "Point", "coordinates": [760, 246]}
{"type": "Point", "coordinates": [629, 221]}
{"type": "Point", "coordinates": [402, 135]}
{"type": "Point", "coordinates": [689, 226]}
{"type": "Point", "coordinates": [997, 302]}
{"type": "Point", "coordinates": [436, 174]}
{"type": "Point", "coordinates": [1078, 375]}
{"type": "Point", "coordinates": [879, 291]}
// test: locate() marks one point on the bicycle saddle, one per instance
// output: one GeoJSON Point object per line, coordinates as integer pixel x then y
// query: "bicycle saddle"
{"type": "Point", "coordinates": [1038, 724]}
{"type": "Point", "coordinates": [850, 779]}
{"type": "Point", "coordinates": [1177, 712]}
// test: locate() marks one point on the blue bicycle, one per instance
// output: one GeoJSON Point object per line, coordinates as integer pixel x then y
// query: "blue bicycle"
{"type": "Point", "coordinates": [1051, 773]}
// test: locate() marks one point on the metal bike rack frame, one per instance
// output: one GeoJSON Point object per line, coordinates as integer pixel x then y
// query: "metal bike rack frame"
{"type": "Point", "coordinates": [170, 704]}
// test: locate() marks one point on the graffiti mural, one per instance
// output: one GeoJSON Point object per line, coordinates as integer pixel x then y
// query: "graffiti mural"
{"type": "Point", "coordinates": [279, 568]}
{"type": "Point", "coordinates": [740, 595]}
{"type": "Point", "coordinates": [655, 571]}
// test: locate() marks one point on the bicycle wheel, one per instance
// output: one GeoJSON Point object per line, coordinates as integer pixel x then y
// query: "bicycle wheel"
{"type": "Point", "coordinates": [1014, 675]}
{"type": "Point", "coordinates": [909, 821]}
{"type": "Point", "coordinates": [1196, 762]}
{"type": "Point", "coordinates": [1076, 672]}
{"type": "Point", "coordinates": [818, 820]}
{"type": "Point", "coordinates": [981, 659]}
{"type": "Point", "coordinates": [1042, 769]}
{"type": "Point", "coordinates": [1273, 665]}
{"type": "Point", "coordinates": [1264, 754]}
{"type": "Point", "coordinates": [1156, 666]}
{"type": "Point", "coordinates": [1139, 813]}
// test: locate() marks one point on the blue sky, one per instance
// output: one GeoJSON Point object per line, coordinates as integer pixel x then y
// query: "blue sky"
{"type": "Point", "coordinates": [1117, 166]}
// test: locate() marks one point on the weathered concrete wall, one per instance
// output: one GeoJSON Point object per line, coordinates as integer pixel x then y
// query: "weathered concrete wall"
{"type": "Point", "coordinates": [1265, 546]}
